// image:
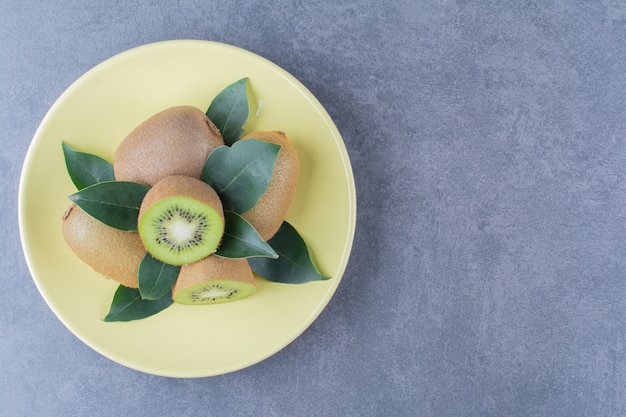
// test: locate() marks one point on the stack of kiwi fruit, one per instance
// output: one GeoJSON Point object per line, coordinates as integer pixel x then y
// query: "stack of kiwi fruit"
{"type": "Point", "coordinates": [181, 218]}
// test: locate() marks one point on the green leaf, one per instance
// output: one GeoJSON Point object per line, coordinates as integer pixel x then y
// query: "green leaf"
{"type": "Point", "coordinates": [241, 240]}
{"type": "Point", "coordinates": [115, 203]}
{"type": "Point", "coordinates": [293, 265]}
{"type": "Point", "coordinates": [229, 111]}
{"type": "Point", "coordinates": [155, 277]}
{"type": "Point", "coordinates": [240, 173]}
{"type": "Point", "coordinates": [86, 169]}
{"type": "Point", "coordinates": [128, 305]}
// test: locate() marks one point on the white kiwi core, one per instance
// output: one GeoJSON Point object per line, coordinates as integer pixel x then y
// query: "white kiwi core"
{"type": "Point", "coordinates": [180, 230]}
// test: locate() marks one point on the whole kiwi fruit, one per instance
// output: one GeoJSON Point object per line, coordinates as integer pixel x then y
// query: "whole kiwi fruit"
{"type": "Point", "coordinates": [213, 280]}
{"type": "Point", "coordinates": [181, 220]}
{"type": "Point", "coordinates": [113, 253]}
{"type": "Point", "coordinates": [271, 209]}
{"type": "Point", "coordinates": [175, 141]}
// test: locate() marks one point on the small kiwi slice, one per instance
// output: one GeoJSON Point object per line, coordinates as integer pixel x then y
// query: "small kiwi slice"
{"type": "Point", "coordinates": [175, 141]}
{"type": "Point", "coordinates": [214, 280]}
{"type": "Point", "coordinates": [271, 209]}
{"type": "Point", "coordinates": [181, 220]}
{"type": "Point", "coordinates": [113, 253]}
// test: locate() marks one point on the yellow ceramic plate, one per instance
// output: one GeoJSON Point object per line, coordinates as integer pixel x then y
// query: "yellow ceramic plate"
{"type": "Point", "coordinates": [93, 115]}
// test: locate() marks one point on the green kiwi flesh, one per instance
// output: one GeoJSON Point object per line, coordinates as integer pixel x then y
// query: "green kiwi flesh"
{"type": "Point", "coordinates": [181, 220]}
{"type": "Point", "coordinates": [214, 280]}
{"type": "Point", "coordinates": [214, 292]}
{"type": "Point", "coordinates": [180, 230]}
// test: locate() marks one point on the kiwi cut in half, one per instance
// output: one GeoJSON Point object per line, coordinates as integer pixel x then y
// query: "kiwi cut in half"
{"type": "Point", "coordinates": [175, 141]}
{"type": "Point", "coordinates": [113, 253]}
{"type": "Point", "coordinates": [181, 220]}
{"type": "Point", "coordinates": [214, 280]}
{"type": "Point", "coordinates": [271, 209]}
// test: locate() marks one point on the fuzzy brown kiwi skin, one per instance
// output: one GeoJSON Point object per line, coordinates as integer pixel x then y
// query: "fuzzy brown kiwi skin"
{"type": "Point", "coordinates": [175, 141]}
{"type": "Point", "coordinates": [111, 252]}
{"type": "Point", "coordinates": [271, 209]}
{"type": "Point", "coordinates": [213, 268]}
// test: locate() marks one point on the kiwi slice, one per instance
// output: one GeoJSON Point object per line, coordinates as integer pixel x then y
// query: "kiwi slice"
{"type": "Point", "coordinates": [181, 220]}
{"type": "Point", "coordinates": [214, 280]}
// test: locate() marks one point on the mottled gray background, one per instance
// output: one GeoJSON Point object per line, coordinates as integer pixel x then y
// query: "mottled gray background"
{"type": "Point", "coordinates": [488, 141]}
